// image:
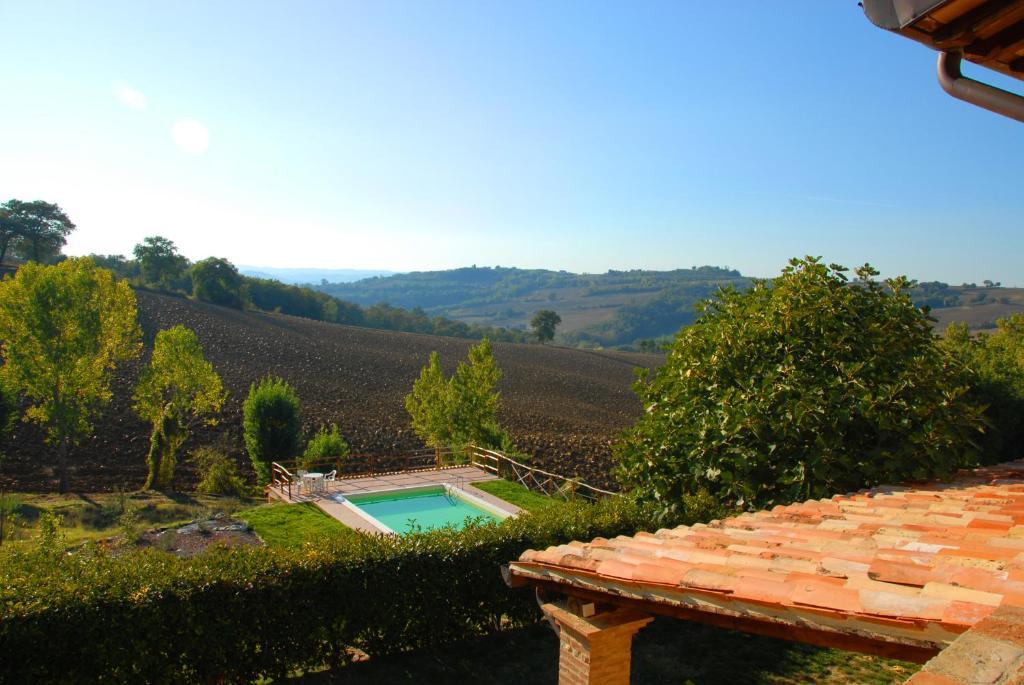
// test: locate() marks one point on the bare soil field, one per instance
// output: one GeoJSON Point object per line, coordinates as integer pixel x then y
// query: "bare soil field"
{"type": "Point", "coordinates": [562, 406]}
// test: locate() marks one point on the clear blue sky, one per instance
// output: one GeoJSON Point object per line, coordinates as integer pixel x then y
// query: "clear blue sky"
{"type": "Point", "coordinates": [580, 136]}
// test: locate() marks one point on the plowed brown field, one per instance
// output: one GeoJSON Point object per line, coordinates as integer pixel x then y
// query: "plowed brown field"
{"type": "Point", "coordinates": [562, 406]}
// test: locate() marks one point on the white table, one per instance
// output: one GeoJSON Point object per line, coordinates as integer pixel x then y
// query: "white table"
{"type": "Point", "coordinates": [313, 481]}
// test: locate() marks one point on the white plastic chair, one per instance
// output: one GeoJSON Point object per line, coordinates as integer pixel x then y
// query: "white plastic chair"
{"type": "Point", "coordinates": [330, 477]}
{"type": "Point", "coordinates": [299, 480]}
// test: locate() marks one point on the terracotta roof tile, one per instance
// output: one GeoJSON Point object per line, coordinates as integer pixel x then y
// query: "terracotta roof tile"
{"type": "Point", "coordinates": [892, 560]}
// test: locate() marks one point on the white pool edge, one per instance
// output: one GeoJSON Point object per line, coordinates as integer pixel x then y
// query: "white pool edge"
{"type": "Point", "coordinates": [452, 490]}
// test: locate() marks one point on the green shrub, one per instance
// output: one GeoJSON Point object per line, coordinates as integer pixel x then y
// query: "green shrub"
{"type": "Point", "coordinates": [218, 474]}
{"type": "Point", "coordinates": [271, 424]}
{"type": "Point", "coordinates": [327, 446]}
{"type": "Point", "coordinates": [803, 386]}
{"type": "Point", "coordinates": [52, 540]}
{"type": "Point", "coordinates": [994, 369]}
{"type": "Point", "coordinates": [130, 524]}
{"type": "Point", "coordinates": [234, 615]}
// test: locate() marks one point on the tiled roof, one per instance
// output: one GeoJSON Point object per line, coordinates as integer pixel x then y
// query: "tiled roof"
{"type": "Point", "coordinates": [914, 565]}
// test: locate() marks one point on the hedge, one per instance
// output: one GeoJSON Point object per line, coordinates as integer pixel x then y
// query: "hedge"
{"type": "Point", "coordinates": [234, 615]}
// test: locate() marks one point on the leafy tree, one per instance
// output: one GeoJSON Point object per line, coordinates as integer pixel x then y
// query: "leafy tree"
{"type": "Point", "coordinates": [474, 398]}
{"type": "Point", "coordinates": [803, 386]}
{"type": "Point", "coordinates": [10, 231]}
{"type": "Point", "coordinates": [217, 281]}
{"type": "Point", "coordinates": [179, 385]}
{"type": "Point", "coordinates": [64, 328]}
{"type": "Point", "coordinates": [428, 405]}
{"type": "Point", "coordinates": [122, 267]}
{"type": "Point", "coordinates": [271, 424]}
{"type": "Point", "coordinates": [326, 445]}
{"type": "Point", "coordinates": [993, 366]}
{"type": "Point", "coordinates": [42, 227]}
{"type": "Point", "coordinates": [462, 410]}
{"type": "Point", "coordinates": [544, 323]}
{"type": "Point", "coordinates": [159, 261]}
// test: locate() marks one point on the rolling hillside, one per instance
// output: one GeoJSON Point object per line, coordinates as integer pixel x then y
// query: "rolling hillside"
{"type": "Point", "coordinates": [563, 406]}
{"type": "Point", "coordinates": [619, 308]}
{"type": "Point", "coordinates": [614, 308]}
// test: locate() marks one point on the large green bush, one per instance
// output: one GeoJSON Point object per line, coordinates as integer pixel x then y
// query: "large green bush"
{"type": "Point", "coordinates": [271, 424]}
{"type": "Point", "coordinates": [239, 614]}
{"type": "Point", "coordinates": [326, 447]}
{"type": "Point", "coordinates": [993, 366]}
{"type": "Point", "coordinates": [803, 386]}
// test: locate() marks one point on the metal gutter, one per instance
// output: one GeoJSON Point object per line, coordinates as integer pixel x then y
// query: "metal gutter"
{"type": "Point", "coordinates": [894, 15]}
{"type": "Point", "coordinates": [983, 95]}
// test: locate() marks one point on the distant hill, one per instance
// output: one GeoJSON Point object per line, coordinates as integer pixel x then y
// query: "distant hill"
{"type": "Point", "coordinates": [977, 306]}
{"type": "Point", "coordinates": [609, 309]}
{"type": "Point", "coordinates": [300, 276]}
{"type": "Point", "coordinates": [619, 308]}
{"type": "Point", "coordinates": [562, 406]}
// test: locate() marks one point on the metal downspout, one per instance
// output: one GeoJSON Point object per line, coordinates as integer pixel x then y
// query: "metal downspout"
{"type": "Point", "coordinates": [977, 93]}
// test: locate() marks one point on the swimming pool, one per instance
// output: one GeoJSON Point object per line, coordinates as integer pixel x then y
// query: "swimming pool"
{"type": "Point", "coordinates": [424, 508]}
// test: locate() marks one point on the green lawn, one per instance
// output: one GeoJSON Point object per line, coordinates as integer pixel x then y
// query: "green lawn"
{"type": "Point", "coordinates": [516, 494]}
{"type": "Point", "coordinates": [293, 525]}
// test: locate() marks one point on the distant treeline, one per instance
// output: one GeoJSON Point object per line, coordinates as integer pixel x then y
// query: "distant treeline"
{"type": "Point", "coordinates": [219, 282]}
{"type": "Point", "coordinates": [469, 286]}
{"type": "Point", "coordinates": [936, 294]}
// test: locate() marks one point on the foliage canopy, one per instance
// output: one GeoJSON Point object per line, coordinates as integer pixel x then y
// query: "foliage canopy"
{"type": "Point", "coordinates": [64, 329]}
{"type": "Point", "coordinates": [803, 386]}
{"type": "Point", "coordinates": [462, 410]}
{"type": "Point", "coordinates": [271, 424]}
{"type": "Point", "coordinates": [217, 281]}
{"type": "Point", "coordinates": [159, 261]}
{"type": "Point", "coordinates": [993, 365]}
{"type": "Point", "coordinates": [178, 384]}
{"type": "Point", "coordinates": [544, 323]}
{"type": "Point", "coordinates": [40, 229]}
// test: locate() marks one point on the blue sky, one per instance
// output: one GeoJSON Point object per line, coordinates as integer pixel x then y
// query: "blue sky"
{"type": "Point", "coordinates": [580, 136]}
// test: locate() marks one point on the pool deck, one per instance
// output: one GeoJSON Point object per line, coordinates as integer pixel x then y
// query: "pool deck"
{"type": "Point", "coordinates": [462, 477]}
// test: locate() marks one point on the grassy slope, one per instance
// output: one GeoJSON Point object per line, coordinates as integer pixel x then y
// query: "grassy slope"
{"type": "Point", "coordinates": [92, 517]}
{"type": "Point", "coordinates": [293, 525]}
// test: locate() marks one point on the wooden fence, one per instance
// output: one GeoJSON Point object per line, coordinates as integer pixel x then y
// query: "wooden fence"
{"type": "Point", "coordinates": [538, 480]}
{"type": "Point", "coordinates": [283, 474]}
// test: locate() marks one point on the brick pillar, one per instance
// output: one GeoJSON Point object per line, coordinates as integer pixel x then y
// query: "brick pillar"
{"type": "Point", "coordinates": [597, 649]}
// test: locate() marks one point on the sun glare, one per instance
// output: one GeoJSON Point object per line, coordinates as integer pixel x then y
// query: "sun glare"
{"type": "Point", "coordinates": [191, 136]}
{"type": "Point", "coordinates": [129, 97]}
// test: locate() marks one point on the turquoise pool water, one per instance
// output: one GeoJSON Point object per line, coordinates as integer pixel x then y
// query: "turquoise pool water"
{"type": "Point", "coordinates": [423, 508]}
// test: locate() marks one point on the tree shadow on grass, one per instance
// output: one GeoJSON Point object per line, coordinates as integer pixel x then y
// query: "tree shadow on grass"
{"type": "Point", "coordinates": [667, 651]}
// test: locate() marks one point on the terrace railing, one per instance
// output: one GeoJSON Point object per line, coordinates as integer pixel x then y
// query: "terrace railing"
{"type": "Point", "coordinates": [284, 476]}
{"type": "Point", "coordinates": [284, 473]}
{"type": "Point", "coordinates": [538, 480]}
